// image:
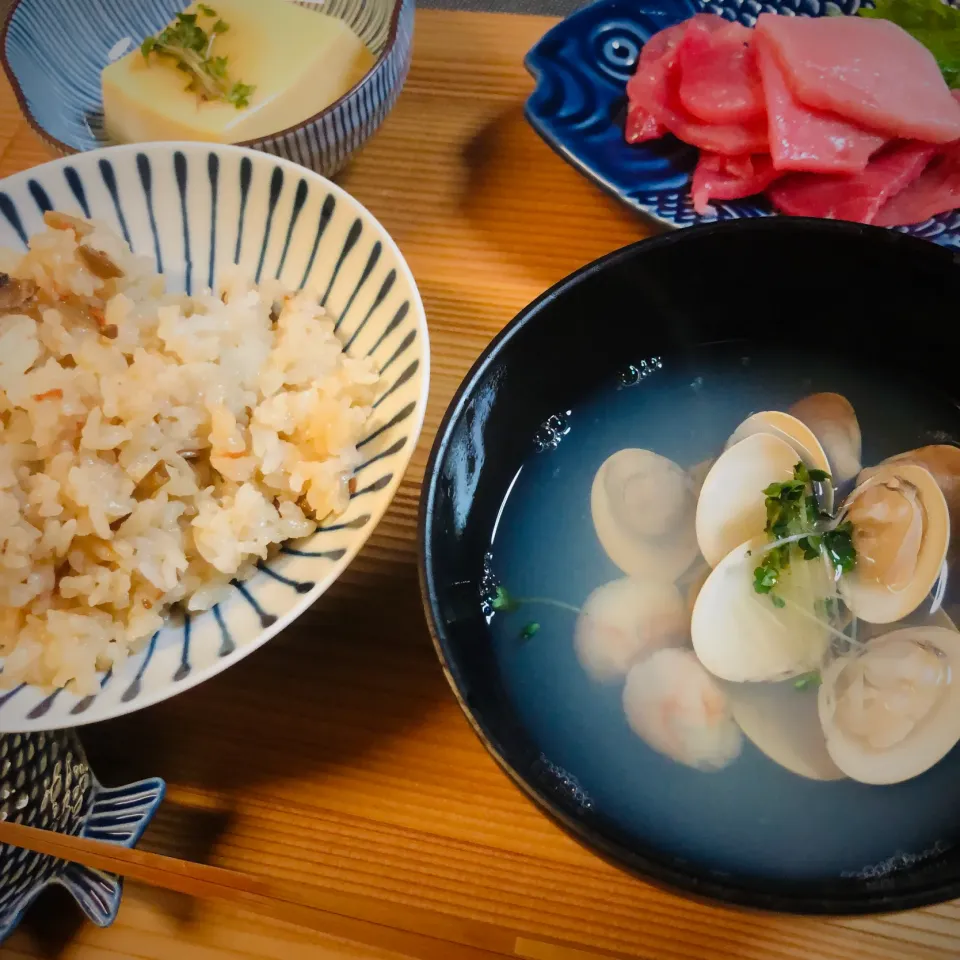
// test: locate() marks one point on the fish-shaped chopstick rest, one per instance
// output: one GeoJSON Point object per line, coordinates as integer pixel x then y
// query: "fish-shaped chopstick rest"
{"type": "Point", "coordinates": [46, 782]}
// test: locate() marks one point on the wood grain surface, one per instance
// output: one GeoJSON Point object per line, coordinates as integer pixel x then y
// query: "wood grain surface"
{"type": "Point", "coordinates": [335, 759]}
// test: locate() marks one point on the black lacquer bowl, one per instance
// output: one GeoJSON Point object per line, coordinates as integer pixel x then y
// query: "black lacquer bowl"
{"type": "Point", "coordinates": [882, 304]}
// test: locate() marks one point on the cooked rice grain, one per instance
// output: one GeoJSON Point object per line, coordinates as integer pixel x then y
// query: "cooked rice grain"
{"type": "Point", "coordinates": [152, 445]}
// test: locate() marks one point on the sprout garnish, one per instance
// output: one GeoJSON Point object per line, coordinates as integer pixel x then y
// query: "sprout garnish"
{"type": "Point", "coordinates": [190, 46]}
{"type": "Point", "coordinates": [796, 525]}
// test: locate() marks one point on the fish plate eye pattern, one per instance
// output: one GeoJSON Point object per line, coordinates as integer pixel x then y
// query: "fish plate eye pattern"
{"type": "Point", "coordinates": [192, 212]}
{"type": "Point", "coordinates": [578, 106]}
{"type": "Point", "coordinates": [45, 782]}
{"type": "Point", "coordinates": [65, 106]}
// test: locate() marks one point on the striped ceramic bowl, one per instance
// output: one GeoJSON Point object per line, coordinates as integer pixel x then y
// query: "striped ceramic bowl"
{"type": "Point", "coordinates": [194, 209]}
{"type": "Point", "coordinates": [53, 52]}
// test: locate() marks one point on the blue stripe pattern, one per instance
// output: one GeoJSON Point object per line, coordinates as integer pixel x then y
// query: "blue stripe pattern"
{"type": "Point", "coordinates": [301, 586]}
{"type": "Point", "coordinates": [326, 212]}
{"type": "Point", "coordinates": [76, 186]}
{"type": "Point", "coordinates": [276, 185]}
{"type": "Point", "coordinates": [298, 201]}
{"type": "Point", "coordinates": [146, 181]}
{"type": "Point", "coordinates": [323, 554]}
{"type": "Point", "coordinates": [9, 210]}
{"type": "Point", "coordinates": [40, 196]}
{"type": "Point", "coordinates": [213, 174]}
{"type": "Point", "coordinates": [183, 671]}
{"type": "Point", "coordinates": [266, 619]}
{"type": "Point", "coordinates": [195, 209]}
{"type": "Point", "coordinates": [353, 235]}
{"type": "Point", "coordinates": [227, 646]}
{"type": "Point", "coordinates": [64, 105]}
{"type": "Point", "coordinates": [133, 691]}
{"type": "Point", "coordinates": [87, 702]}
{"type": "Point", "coordinates": [180, 169]}
{"type": "Point", "coordinates": [110, 182]}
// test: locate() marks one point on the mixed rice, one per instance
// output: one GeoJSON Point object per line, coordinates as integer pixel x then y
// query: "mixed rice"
{"type": "Point", "coordinates": [152, 446]}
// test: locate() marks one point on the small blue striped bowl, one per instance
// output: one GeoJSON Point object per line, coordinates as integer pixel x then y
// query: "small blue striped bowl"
{"type": "Point", "coordinates": [53, 52]}
{"type": "Point", "coordinates": [195, 209]}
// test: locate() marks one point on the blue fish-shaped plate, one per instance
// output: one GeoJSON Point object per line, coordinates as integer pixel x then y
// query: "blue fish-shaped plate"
{"type": "Point", "coordinates": [578, 106]}
{"type": "Point", "coordinates": [46, 782]}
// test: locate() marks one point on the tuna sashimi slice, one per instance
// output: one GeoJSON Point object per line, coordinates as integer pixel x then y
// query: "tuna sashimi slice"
{"type": "Point", "coordinates": [805, 139]}
{"type": "Point", "coordinates": [858, 197]}
{"type": "Point", "coordinates": [641, 126]}
{"type": "Point", "coordinates": [726, 138]}
{"type": "Point", "coordinates": [869, 71]}
{"type": "Point", "coordinates": [658, 56]}
{"type": "Point", "coordinates": [935, 191]}
{"type": "Point", "coordinates": [719, 80]}
{"type": "Point", "coordinates": [655, 89]}
{"type": "Point", "coordinates": [729, 178]}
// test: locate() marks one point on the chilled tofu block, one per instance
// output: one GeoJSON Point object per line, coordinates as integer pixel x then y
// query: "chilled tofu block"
{"type": "Point", "coordinates": [297, 60]}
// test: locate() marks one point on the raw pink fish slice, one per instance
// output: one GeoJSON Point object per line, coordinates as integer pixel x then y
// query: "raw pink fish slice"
{"type": "Point", "coordinates": [729, 178]}
{"type": "Point", "coordinates": [870, 71]}
{"type": "Point", "coordinates": [657, 56]}
{"type": "Point", "coordinates": [805, 139]}
{"type": "Point", "coordinates": [935, 191]}
{"type": "Point", "coordinates": [655, 89]}
{"type": "Point", "coordinates": [719, 80]}
{"type": "Point", "coordinates": [726, 138]}
{"type": "Point", "coordinates": [641, 126]}
{"type": "Point", "coordinates": [858, 197]}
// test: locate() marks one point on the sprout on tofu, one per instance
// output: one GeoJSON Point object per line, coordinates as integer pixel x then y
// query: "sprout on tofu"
{"type": "Point", "coordinates": [190, 47]}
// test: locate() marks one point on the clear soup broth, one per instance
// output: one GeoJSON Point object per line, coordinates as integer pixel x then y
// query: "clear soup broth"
{"type": "Point", "coordinates": [716, 798]}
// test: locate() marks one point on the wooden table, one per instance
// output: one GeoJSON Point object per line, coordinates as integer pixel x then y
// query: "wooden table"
{"type": "Point", "coordinates": [336, 757]}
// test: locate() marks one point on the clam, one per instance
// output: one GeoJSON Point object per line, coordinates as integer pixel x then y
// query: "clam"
{"type": "Point", "coordinates": [740, 635]}
{"type": "Point", "coordinates": [943, 462]}
{"type": "Point", "coordinates": [679, 710]}
{"type": "Point", "coordinates": [891, 709]}
{"type": "Point", "coordinates": [901, 531]}
{"type": "Point", "coordinates": [795, 433]}
{"type": "Point", "coordinates": [624, 621]}
{"type": "Point", "coordinates": [731, 507]}
{"type": "Point", "coordinates": [643, 508]}
{"type": "Point", "coordinates": [833, 421]}
{"type": "Point", "coordinates": [783, 723]}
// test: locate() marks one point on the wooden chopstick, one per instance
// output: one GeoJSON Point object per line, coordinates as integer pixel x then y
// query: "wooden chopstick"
{"type": "Point", "coordinates": [413, 931]}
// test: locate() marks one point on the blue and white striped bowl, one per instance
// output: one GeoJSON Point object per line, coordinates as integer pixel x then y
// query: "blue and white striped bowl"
{"type": "Point", "coordinates": [53, 52]}
{"type": "Point", "coordinates": [196, 208]}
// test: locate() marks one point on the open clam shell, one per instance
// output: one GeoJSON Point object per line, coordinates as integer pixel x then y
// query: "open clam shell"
{"type": "Point", "coordinates": [643, 508]}
{"type": "Point", "coordinates": [798, 435]}
{"type": "Point", "coordinates": [901, 531]}
{"type": "Point", "coordinates": [942, 461]}
{"type": "Point", "coordinates": [782, 722]}
{"type": "Point", "coordinates": [891, 709]}
{"type": "Point", "coordinates": [834, 422]}
{"type": "Point", "coordinates": [731, 507]}
{"type": "Point", "coordinates": [741, 635]}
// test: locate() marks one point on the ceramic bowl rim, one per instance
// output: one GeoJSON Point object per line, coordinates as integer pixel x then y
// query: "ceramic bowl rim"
{"type": "Point", "coordinates": [660, 873]}
{"type": "Point", "coordinates": [306, 600]}
{"type": "Point", "coordinates": [257, 143]}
